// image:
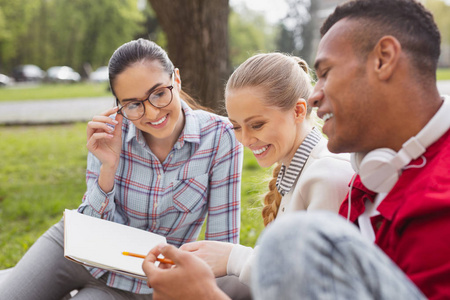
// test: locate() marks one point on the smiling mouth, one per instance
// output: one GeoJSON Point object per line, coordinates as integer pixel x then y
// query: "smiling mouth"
{"type": "Point", "coordinates": [260, 151]}
{"type": "Point", "coordinates": [327, 116]}
{"type": "Point", "coordinates": [160, 121]}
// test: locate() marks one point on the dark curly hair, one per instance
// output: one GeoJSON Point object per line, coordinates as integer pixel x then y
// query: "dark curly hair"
{"type": "Point", "coordinates": [406, 20]}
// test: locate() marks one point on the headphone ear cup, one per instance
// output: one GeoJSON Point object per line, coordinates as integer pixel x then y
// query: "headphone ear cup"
{"type": "Point", "coordinates": [355, 160]}
{"type": "Point", "coordinates": [377, 171]}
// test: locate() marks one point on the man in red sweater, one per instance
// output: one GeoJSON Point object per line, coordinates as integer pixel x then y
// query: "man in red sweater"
{"type": "Point", "coordinates": [376, 92]}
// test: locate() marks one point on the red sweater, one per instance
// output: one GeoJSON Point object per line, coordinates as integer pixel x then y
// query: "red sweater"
{"type": "Point", "coordinates": [413, 227]}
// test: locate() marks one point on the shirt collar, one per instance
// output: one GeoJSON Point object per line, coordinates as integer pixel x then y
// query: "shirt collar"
{"type": "Point", "coordinates": [288, 176]}
{"type": "Point", "coordinates": [190, 132]}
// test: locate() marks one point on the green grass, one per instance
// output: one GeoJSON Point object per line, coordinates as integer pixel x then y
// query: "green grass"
{"type": "Point", "coordinates": [443, 74]}
{"type": "Point", "coordinates": [53, 91]}
{"type": "Point", "coordinates": [42, 172]}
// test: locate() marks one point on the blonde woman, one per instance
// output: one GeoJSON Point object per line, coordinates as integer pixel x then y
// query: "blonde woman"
{"type": "Point", "coordinates": [266, 104]}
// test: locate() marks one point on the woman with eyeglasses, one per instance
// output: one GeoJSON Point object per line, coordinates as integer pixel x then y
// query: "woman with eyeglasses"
{"type": "Point", "coordinates": [157, 161]}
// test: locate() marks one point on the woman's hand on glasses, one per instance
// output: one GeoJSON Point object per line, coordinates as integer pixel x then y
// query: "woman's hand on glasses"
{"type": "Point", "coordinates": [104, 138]}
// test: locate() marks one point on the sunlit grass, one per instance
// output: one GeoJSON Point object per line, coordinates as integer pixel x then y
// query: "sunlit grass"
{"type": "Point", "coordinates": [443, 74]}
{"type": "Point", "coordinates": [53, 91]}
{"type": "Point", "coordinates": [42, 172]}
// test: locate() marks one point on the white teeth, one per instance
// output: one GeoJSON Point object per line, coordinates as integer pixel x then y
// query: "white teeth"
{"type": "Point", "coordinates": [259, 151]}
{"type": "Point", "coordinates": [160, 121]}
{"type": "Point", "coordinates": [327, 116]}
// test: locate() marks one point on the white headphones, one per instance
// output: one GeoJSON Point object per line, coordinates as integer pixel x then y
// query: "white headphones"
{"type": "Point", "coordinates": [380, 169]}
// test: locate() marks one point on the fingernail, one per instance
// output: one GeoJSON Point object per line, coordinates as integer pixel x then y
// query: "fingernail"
{"type": "Point", "coordinates": [161, 247]}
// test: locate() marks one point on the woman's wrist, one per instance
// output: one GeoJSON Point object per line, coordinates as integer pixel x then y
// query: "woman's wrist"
{"type": "Point", "coordinates": [106, 178]}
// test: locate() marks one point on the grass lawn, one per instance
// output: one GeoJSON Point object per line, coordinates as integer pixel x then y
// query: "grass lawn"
{"type": "Point", "coordinates": [53, 91]}
{"type": "Point", "coordinates": [443, 74]}
{"type": "Point", "coordinates": [43, 172]}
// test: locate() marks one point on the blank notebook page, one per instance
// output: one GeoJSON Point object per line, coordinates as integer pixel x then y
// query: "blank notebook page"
{"type": "Point", "coordinates": [96, 242]}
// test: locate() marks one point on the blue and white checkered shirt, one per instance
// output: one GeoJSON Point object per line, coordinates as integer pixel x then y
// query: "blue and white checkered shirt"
{"type": "Point", "coordinates": [200, 176]}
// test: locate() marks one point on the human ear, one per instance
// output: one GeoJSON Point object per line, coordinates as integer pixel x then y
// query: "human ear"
{"type": "Point", "coordinates": [300, 110]}
{"type": "Point", "coordinates": [177, 77]}
{"type": "Point", "coordinates": [387, 53]}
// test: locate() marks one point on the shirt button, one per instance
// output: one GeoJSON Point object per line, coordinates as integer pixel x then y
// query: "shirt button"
{"type": "Point", "coordinates": [156, 205]}
{"type": "Point", "coordinates": [158, 177]}
{"type": "Point", "coordinates": [282, 209]}
{"type": "Point", "coordinates": [378, 224]}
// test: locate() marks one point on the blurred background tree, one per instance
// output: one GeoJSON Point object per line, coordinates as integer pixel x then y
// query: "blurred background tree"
{"type": "Point", "coordinates": [249, 33]}
{"type": "Point", "coordinates": [197, 43]}
{"type": "Point", "coordinates": [297, 29]}
{"type": "Point", "coordinates": [441, 13]}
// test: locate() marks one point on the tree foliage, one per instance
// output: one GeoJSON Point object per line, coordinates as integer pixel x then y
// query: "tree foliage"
{"type": "Point", "coordinates": [249, 34]}
{"type": "Point", "coordinates": [65, 32]}
{"type": "Point", "coordinates": [441, 13]}
{"type": "Point", "coordinates": [298, 29]}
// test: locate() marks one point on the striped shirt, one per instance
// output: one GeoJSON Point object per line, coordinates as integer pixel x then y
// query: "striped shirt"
{"type": "Point", "coordinates": [200, 176]}
{"type": "Point", "coordinates": [288, 176]}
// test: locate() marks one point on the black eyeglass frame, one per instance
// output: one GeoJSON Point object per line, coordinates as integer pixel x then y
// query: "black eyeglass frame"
{"type": "Point", "coordinates": [147, 98]}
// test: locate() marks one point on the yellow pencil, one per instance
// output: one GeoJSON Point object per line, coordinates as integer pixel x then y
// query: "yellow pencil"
{"type": "Point", "coordinates": [162, 260]}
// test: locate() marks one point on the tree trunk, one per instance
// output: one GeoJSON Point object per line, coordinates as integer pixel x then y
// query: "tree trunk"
{"type": "Point", "coordinates": [197, 41]}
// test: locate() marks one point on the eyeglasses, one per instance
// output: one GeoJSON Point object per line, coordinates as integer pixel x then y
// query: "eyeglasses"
{"type": "Point", "coordinates": [159, 98]}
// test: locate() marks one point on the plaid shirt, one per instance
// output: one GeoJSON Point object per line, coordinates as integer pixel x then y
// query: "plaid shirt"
{"type": "Point", "coordinates": [201, 175]}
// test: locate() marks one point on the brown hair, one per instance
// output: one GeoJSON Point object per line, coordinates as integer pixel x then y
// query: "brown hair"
{"type": "Point", "coordinates": [144, 50]}
{"type": "Point", "coordinates": [284, 79]}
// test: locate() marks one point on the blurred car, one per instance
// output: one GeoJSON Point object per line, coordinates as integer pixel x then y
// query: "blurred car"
{"type": "Point", "coordinates": [62, 74]}
{"type": "Point", "coordinates": [5, 80]}
{"type": "Point", "coordinates": [28, 73]}
{"type": "Point", "coordinates": [100, 75]}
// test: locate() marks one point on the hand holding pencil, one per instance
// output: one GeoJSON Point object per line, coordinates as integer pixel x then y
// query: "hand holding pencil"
{"type": "Point", "coordinates": [190, 278]}
{"type": "Point", "coordinates": [161, 260]}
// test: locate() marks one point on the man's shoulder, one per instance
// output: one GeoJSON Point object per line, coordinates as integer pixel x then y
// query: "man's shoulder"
{"type": "Point", "coordinates": [424, 185]}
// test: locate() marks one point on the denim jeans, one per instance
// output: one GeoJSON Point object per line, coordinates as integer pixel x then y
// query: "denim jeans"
{"type": "Point", "coordinates": [318, 255]}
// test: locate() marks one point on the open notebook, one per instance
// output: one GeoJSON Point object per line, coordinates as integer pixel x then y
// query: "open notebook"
{"type": "Point", "coordinates": [99, 243]}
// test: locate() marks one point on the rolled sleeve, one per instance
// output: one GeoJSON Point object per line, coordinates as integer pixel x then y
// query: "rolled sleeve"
{"type": "Point", "coordinates": [96, 202]}
{"type": "Point", "coordinates": [240, 262]}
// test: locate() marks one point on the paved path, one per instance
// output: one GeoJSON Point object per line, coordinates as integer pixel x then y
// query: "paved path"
{"type": "Point", "coordinates": [35, 112]}
{"type": "Point", "coordinates": [53, 111]}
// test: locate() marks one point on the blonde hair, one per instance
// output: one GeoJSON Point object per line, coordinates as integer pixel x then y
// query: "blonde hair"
{"type": "Point", "coordinates": [283, 79]}
{"type": "Point", "coordinates": [272, 199]}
